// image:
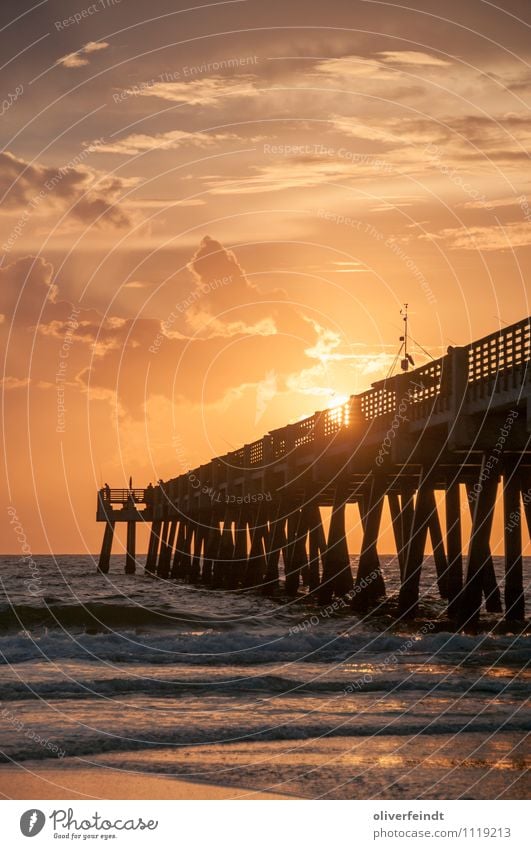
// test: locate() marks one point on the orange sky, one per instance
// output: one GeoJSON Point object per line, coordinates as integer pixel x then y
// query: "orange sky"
{"type": "Point", "coordinates": [211, 218]}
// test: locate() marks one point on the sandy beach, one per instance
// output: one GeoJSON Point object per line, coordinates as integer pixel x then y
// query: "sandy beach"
{"type": "Point", "coordinates": [33, 781]}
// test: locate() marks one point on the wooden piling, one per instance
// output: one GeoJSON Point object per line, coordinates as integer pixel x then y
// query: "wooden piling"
{"type": "Point", "coordinates": [479, 546]}
{"type": "Point", "coordinates": [409, 591]}
{"type": "Point", "coordinates": [512, 515]}
{"type": "Point", "coordinates": [226, 552]}
{"type": "Point", "coordinates": [153, 547]}
{"type": "Point", "coordinates": [130, 552]}
{"type": "Point", "coordinates": [393, 500]}
{"type": "Point", "coordinates": [276, 540]}
{"type": "Point", "coordinates": [240, 545]}
{"type": "Point", "coordinates": [299, 558]}
{"type": "Point", "coordinates": [182, 559]}
{"type": "Point", "coordinates": [212, 535]}
{"type": "Point", "coordinates": [163, 546]}
{"type": "Point", "coordinates": [454, 547]}
{"type": "Point", "coordinates": [439, 554]}
{"type": "Point", "coordinates": [407, 511]}
{"type": "Point", "coordinates": [166, 550]}
{"type": "Point", "coordinates": [370, 584]}
{"type": "Point", "coordinates": [106, 548]}
{"type": "Point", "coordinates": [491, 590]}
{"type": "Point", "coordinates": [337, 574]}
{"type": "Point", "coordinates": [176, 566]}
{"type": "Point", "coordinates": [195, 546]}
{"type": "Point", "coordinates": [256, 563]}
{"type": "Point", "coordinates": [317, 546]}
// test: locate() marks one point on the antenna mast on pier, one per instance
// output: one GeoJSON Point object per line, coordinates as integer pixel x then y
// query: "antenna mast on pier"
{"type": "Point", "coordinates": [407, 359]}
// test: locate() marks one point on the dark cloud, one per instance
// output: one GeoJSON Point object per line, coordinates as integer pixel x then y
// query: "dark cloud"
{"type": "Point", "coordinates": [85, 194]}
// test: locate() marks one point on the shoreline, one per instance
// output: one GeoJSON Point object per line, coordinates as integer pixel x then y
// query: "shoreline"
{"type": "Point", "coordinates": [69, 781]}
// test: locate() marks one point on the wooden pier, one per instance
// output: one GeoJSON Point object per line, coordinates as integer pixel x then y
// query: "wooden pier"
{"type": "Point", "coordinates": [460, 424]}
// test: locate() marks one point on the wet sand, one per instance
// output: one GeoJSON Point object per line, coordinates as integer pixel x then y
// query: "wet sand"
{"type": "Point", "coordinates": [65, 781]}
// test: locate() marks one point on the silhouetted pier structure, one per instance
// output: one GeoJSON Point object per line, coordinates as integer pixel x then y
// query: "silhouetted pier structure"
{"type": "Point", "coordinates": [460, 424]}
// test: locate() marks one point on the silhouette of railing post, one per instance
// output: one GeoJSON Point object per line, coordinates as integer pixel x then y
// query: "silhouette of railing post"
{"type": "Point", "coordinates": [457, 371]}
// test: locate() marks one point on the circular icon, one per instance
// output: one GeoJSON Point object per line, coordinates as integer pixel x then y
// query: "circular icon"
{"type": "Point", "coordinates": [32, 822]}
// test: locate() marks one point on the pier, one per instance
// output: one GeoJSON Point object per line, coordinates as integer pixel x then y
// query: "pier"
{"type": "Point", "coordinates": [459, 425]}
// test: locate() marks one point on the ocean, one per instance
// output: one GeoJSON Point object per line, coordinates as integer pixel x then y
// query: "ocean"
{"type": "Point", "coordinates": [231, 687]}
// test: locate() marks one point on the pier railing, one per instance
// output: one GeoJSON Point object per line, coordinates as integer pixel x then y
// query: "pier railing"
{"type": "Point", "coordinates": [127, 497]}
{"type": "Point", "coordinates": [482, 370]}
{"type": "Point", "coordinates": [494, 364]}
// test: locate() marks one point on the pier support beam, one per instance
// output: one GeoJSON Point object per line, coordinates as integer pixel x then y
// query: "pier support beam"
{"type": "Point", "coordinates": [407, 501]}
{"type": "Point", "coordinates": [182, 561]}
{"type": "Point", "coordinates": [176, 567]}
{"type": "Point", "coordinates": [396, 520]}
{"type": "Point", "coordinates": [289, 548]}
{"type": "Point", "coordinates": [212, 535]}
{"type": "Point", "coordinates": [479, 547]}
{"type": "Point", "coordinates": [299, 559]}
{"type": "Point", "coordinates": [317, 545]}
{"type": "Point", "coordinates": [439, 554]}
{"type": "Point", "coordinates": [409, 591]}
{"type": "Point", "coordinates": [106, 548]}
{"type": "Point", "coordinates": [276, 540]}
{"type": "Point", "coordinates": [163, 547]}
{"type": "Point", "coordinates": [337, 574]}
{"type": "Point", "coordinates": [370, 584]}
{"type": "Point", "coordinates": [454, 547]}
{"type": "Point", "coordinates": [130, 552]}
{"type": "Point", "coordinates": [166, 550]}
{"type": "Point", "coordinates": [491, 589]}
{"type": "Point", "coordinates": [512, 515]}
{"type": "Point", "coordinates": [256, 564]}
{"type": "Point", "coordinates": [195, 546]}
{"type": "Point", "coordinates": [153, 547]}
{"type": "Point", "coordinates": [240, 546]}
{"type": "Point", "coordinates": [226, 552]}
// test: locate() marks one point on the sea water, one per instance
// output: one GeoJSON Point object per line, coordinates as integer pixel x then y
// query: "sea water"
{"type": "Point", "coordinates": [142, 674]}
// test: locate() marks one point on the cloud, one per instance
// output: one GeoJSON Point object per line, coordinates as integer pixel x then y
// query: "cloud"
{"type": "Point", "coordinates": [225, 302]}
{"type": "Point", "coordinates": [266, 390]}
{"type": "Point", "coordinates": [343, 68]}
{"type": "Point", "coordinates": [8, 383]}
{"type": "Point", "coordinates": [80, 57]}
{"type": "Point", "coordinates": [516, 234]}
{"type": "Point", "coordinates": [24, 285]}
{"type": "Point", "coordinates": [140, 142]}
{"type": "Point", "coordinates": [216, 339]}
{"type": "Point", "coordinates": [86, 194]}
{"type": "Point", "coordinates": [289, 172]}
{"type": "Point", "coordinates": [209, 91]}
{"type": "Point", "coordinates": [412, 57]}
